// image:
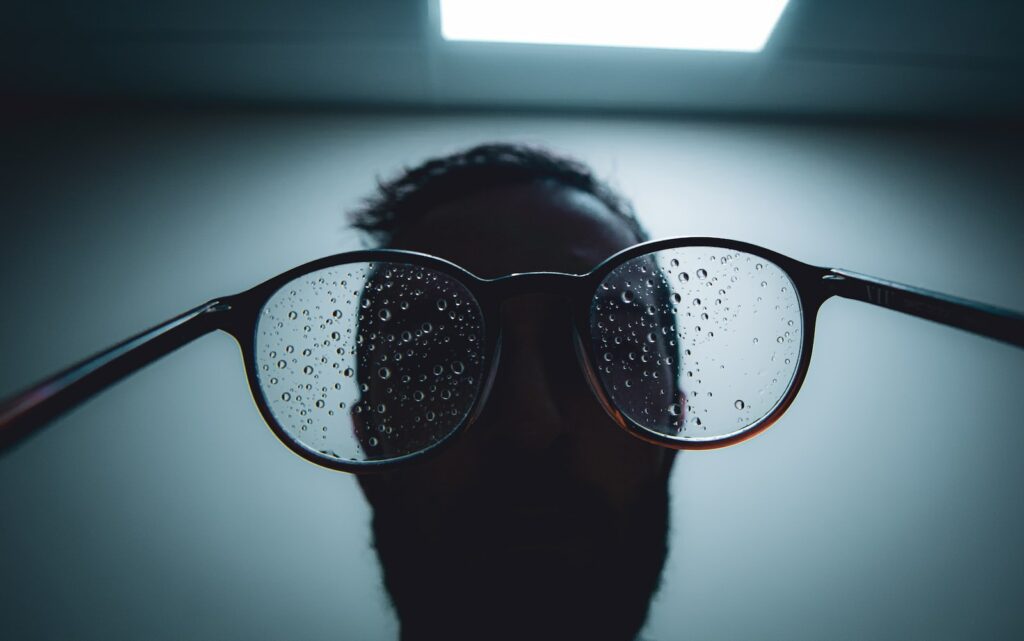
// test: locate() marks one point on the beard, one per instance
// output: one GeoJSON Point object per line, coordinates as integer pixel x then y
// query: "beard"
{"type": "Point", "coordinates": [531, 554]}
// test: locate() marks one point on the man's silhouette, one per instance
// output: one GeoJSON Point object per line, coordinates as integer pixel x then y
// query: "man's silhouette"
{"type": "Point", "coordinates": [545, 519]}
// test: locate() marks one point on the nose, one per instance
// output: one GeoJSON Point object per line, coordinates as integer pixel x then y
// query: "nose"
{"type": "Point", "coordinates": [526, 409]}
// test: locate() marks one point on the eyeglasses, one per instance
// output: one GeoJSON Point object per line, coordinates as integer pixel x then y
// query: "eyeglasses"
{"type": "Point", "coordinates": [371, 359]}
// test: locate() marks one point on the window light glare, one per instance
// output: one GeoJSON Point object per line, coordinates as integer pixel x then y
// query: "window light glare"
{"type": "Point", "coordinates": [717, 25]}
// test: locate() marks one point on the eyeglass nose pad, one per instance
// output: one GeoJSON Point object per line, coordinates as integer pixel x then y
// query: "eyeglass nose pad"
{"type": "Point", "coordinates": [595, 386]}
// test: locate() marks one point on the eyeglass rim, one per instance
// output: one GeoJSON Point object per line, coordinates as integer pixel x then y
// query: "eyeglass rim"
{"type": "Point", "coordinates": [579, 289]}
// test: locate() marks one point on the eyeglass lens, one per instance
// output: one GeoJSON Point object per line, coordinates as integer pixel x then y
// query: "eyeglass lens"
{"type": "Point", "coordinates": [370, 361]}
{"type": "Point", "coordinates": [696, 342]}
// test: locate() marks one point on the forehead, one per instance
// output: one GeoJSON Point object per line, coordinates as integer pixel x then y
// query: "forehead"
{"type": "Point", "coordinates": [540, 226]}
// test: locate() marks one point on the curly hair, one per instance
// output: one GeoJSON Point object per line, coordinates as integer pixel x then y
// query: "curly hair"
{"type": "Point", "coordinates": [399, 203]}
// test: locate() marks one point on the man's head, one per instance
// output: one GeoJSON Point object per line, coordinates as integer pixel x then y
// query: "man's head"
{"type": "Point", "coordinates": [544, 519]}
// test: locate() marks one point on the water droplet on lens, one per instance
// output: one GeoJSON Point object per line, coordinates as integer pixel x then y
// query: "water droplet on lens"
{"type": "Point", "coordinates": [281, 364]}
{"type": "Point", "coordinates": [675, 409]}
{"type": "Point", "coordinates": [759, 266]}
{"type": "Point", "coordinates": [438, 370]}
{"type": "Point", "coordinates": [739, 404]}
{"type": "Point", "coordinates": [418, 395]}
{"type": "Point", "coordinates": [764, 283]}
{"type": "Point", "coordinates": [627, 296]}
{"type": "Point", "coordinates": [320, 403]}
{"type": "Point", "coordinates": [292, 315]}
{"type": "Point", "coordinates": [307, 369]}
{"type": "Point", "coordinates": [780, 339]}
{"type": "Point", "coordinates": [384, 373]}
{"type": "Point", "coordinates": [286, 397]}
{"type": "Point", "coordinates": [348, 372]}
{"type": "Point", "coordinates": [442, 304]}
{"type": "Point", "coordinates": [384, 314]}
{"type": "Point", "coordinates": [674, 262]}
{"type": "Point", "coordinates": [683, 277]}
{"type": "Point", "coordinates": [336, 313]}
{"type": "Point", "coordinates": [677, 298]}
{"type": "Point", "coordinates": [696, 301]}
{"type": "Point", "coordinates": [458, 367]}
{"type": "Point", "coordinates": [701, 273]}
{"type": "Point", "coordinates": [373, 441]}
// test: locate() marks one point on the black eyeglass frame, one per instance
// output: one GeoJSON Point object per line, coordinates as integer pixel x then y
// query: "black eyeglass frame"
{"type": "Point", "coordinates": [238, 315]}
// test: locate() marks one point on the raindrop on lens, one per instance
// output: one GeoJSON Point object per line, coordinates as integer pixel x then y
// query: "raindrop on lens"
{"type": "Point", "coordinates": [384, 314]}
{"type": "Point", "coordinates": [627, 296]}
{"type": "Point", "coordinates": [674, 409]}
{"type": "Point", "coordinates": [281, 364]}
{"type": "Point", "coordinates": [286, 397]}
{"type": "Point", "coordinates": [307, 369]}
{"type": "Point", "coordinates": [384, 373]}
{"type": "Point", "coordinates": [701, 273]}
{"type": "Point", "coordinates": [739, 404]}
{"type": "Point", "coordinates": [348, 372]}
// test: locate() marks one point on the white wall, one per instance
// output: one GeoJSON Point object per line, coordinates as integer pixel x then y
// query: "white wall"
{"type": "Point", "coordinates": [885, 505]}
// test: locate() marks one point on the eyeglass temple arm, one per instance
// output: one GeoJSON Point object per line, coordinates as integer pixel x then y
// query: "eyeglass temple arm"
{"type": "Point", "coordinates": [1001, 324]}
{"type": "Point", "coordinates": [29, 411]}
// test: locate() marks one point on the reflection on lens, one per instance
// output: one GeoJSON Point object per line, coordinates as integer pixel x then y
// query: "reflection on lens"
{"type": "Point", "coordinates": [696, 342]}
{"type": "Point", "coordinates": [370, 361]}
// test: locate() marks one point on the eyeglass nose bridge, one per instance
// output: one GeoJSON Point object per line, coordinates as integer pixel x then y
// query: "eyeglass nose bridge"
{"type": "Point", "coordinates": [553, 283]}
{"type": "Point", "coordinates": [572, 288]}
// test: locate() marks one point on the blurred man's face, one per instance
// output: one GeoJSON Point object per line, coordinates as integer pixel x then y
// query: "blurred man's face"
{"type": "Point", "coordinates": [544, 519]}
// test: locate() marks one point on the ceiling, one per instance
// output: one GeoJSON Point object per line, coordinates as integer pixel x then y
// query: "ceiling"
{"type": "Point", "coordinates": [859, 58]}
